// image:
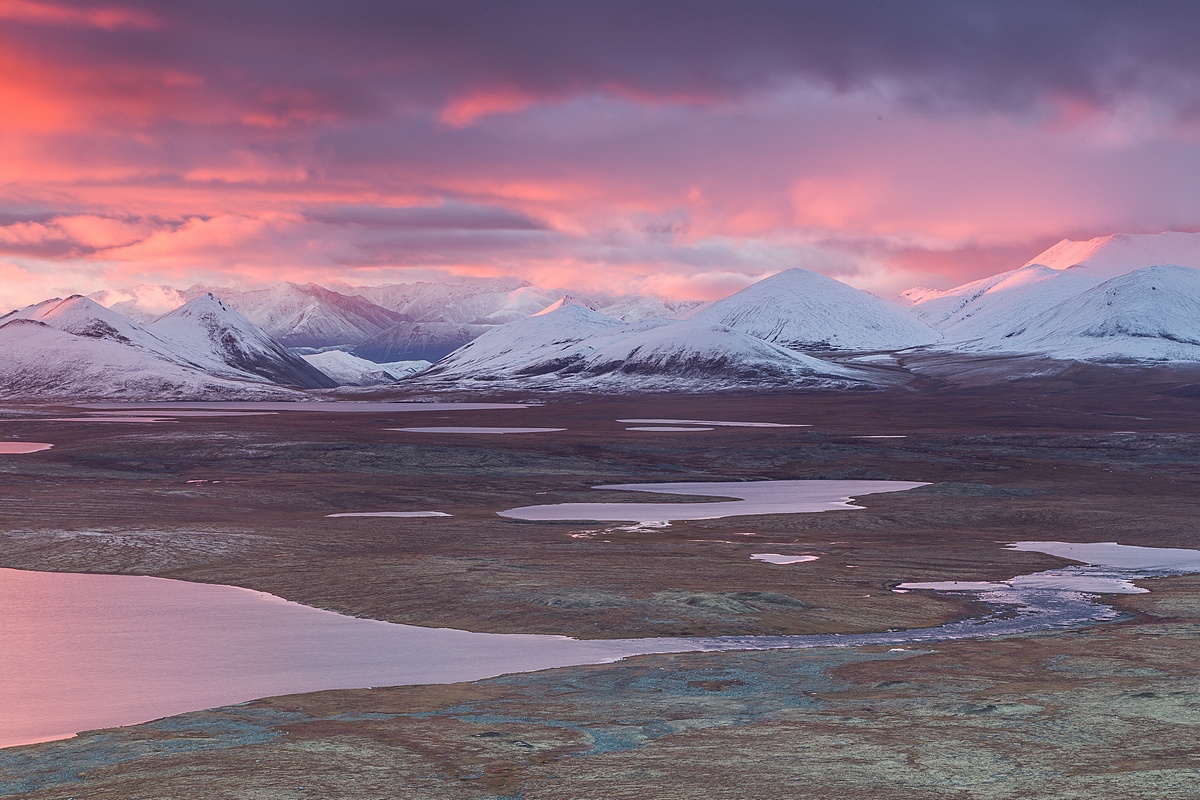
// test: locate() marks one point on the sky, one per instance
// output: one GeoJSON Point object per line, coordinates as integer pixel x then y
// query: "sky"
{"type": "Point", "coordinates": [680, 148]}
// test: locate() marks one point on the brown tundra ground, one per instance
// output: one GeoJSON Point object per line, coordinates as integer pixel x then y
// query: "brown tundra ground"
{"type": "Point", "coordinates": [1108, 711]}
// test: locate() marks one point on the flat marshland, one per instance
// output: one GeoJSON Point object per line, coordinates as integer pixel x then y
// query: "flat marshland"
{"type": "Point", "coordinates": [1109, 710]}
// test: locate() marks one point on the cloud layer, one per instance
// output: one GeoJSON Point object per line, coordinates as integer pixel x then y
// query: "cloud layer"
{"type": "Point", "coordinates": [669, 146]}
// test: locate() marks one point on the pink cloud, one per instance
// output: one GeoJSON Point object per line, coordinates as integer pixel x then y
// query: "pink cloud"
{"type": "Point", "coordinates": [105, 17]}
{"type": "Point", "coordinates": [84, 231]}
{"type": "Point", "coordinates": [93, 231]}
{"type": "Point", "coordinates": [468, 109]}
{"type": "Point", "coordinates": [196, 151]}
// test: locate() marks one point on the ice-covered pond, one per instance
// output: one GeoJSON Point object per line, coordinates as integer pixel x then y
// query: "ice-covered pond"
{"type": "Point", "coordinates": [331, 406]}
{"type": "Point", "coordinates": [22, 448]}
{"type": "Point", "coordinates": [781, 559]}
{"type": "Point", "coordinates": [85, 651]}
{"type": "Point", "coordinates": [753, 497]}
{"type": "Point", "coordinates": [399, 514]}
{"type": "Point", "coordinates": [717, 423]}
{"type": "Point", "coordinates": [476, 429]}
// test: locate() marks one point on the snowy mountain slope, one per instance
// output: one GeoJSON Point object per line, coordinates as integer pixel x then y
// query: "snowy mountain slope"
{"type": "Point", "coordinates": [86, 318]}
{"type": "Point", "coordinates": [996, 305]}
{"type": "Point", "coordinates": [314, 316]}
{"type": "Point", "coordinates": [492, 308]}
{"type": "Point", "coordinates": [542, 343]}
{"type": "Point", "coordinates": [634, 308]}
{"type": "Point", "coordinates": [208, 333]}
{"type": "Point", "coordinates": [981, 315]}
{"type": "Point", "coordinates": [348, 370]}
{"type": "Point", "coordinates": [405, 369]}
{"type": "Point", "coordinates": [418, 341]}
{"type": "Point", "coordinates": [1109, 256]}
{"type": "Point", "coordinates": [309, 315]}
{"type": "Point", "coordinates": [427, 302]}
{"type": "Point", "coordinates": [571, 347]}
{"type": "Point", "coordinates": [43, 362]}
{"type": "Point", "coordinates": [201, 344]}
{"type": "Point", "coordinates": [297, 315]}
{"type": "Point", "coordinates": [1151, 314]}
{"type": "Point", "coordinates": [804, 310]}
{"type": "Point", "coordinates": [568, 301]}
{"type": "Point", "coordinates": [698, 352]}
{"type": "Point", "coordinates": [141, 303]}
{"type": "Point", "coordinates": [516, 304]}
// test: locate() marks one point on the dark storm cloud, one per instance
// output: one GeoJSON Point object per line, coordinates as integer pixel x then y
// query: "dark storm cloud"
{"type": "Point", "coordinates": [591, 142]}
{"type": "Point", "coordinates": [307, 58]}
{"type": "Point", "coordinates": [449, 216]}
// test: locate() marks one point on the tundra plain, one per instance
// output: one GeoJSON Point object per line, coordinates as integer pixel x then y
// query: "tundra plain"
{"type": "Point", "coordinates": [1109, 710]}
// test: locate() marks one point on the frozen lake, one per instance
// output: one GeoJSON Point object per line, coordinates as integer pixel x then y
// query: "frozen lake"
{"type": "Point", "coordinates": [1107, 568]}
{"type": "Point", "coordinates": [168, 412]}
{"type": "Point", "coordinates": [718, 423]}
{"type": "Point", "coordinates": [84, 651]}
{"type": "Point", "coordinates": [22, 448]}
{"type": "Point", "coordinates": [753, 497]}
{"type": "Point", "coordinates": [401, 514]}
{"type": "Point", "coordinates": [666, 428]}
{"type": "Point", "coordinates": [106, 419]}
{"type": "Point", "coordinates": [777, 558]}
{"type": "Point", "coordinates": [333, 406]}
{"type": "Point", "coordinates": [476, 429]}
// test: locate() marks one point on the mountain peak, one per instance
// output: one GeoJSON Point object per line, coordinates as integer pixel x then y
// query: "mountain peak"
{"type": "Point", "coordinates": [207, 330]}
{"type": "Point", "coordinates": [1116, 254]}
{"type": "Point", "coordinates": [566, 301]}
{"type": "Point", "coordinates": [82, 316]}
{"type": "Point", "coordinates": [805, 310]}
{"type": "Point", "coordinates": [207, 302]}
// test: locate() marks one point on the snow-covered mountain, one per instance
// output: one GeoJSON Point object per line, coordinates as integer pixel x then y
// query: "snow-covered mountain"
{"type": "Point", "coordinates": [463, 303]}
{"type": "Point", "coordinates": [634, 308]}
{"type": "Point", "coordinates": [573, 347]}
{"type": "Point", "coordinates": [38, 361]}
{"type": "Point", "coordinates": [209, 333]}
{"type": "Point", "coordinates": [1109, 256]}
{"type": "Point", "coordinates": [514, 305]}
{"type": "Point", "coordinates": [143, 302]}
{"type": "Point", "coordinates": [418, 341]}
{"type": "Point", "coordinates": [85, 318]}
{"type": "Point", "coordinates": [76, 348]}
{"type": "Point", "coordinates": [348, 370]}
{"type": "Point", "coordinates": [1150, 314]}
{"type": "Point", "coordinates": [535, 345]}
{"type": "Point", "coordinates": [805, 310]}
{"type": "Point", "coordinates": [696, 353]}
{"type": "Point", "coordinates": [1069, 267]}
{"type": "Point", "coordinates": [1119, 297]}
{"type": "Point", "coordinates": [395, 322]}
{"type": "Point", "coordinates": [297, 315]}
{"type": "Point", "coordinates": [982, 309]}
{"type": "Point", "coordinates": [1128, 298]}
{"type": "Point", "coordinates": [308, 315]}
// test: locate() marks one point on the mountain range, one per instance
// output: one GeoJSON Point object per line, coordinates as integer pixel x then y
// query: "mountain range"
{"type": "Point", "coordinates": [75, 348]}
{"type": "Point", "coordinates": [1116, 300]}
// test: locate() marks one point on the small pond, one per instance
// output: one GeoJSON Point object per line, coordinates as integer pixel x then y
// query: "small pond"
{"type": "Point", "coordinates": [753, 497]}
{"type": "Point", "coordinates": [22, 448]}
